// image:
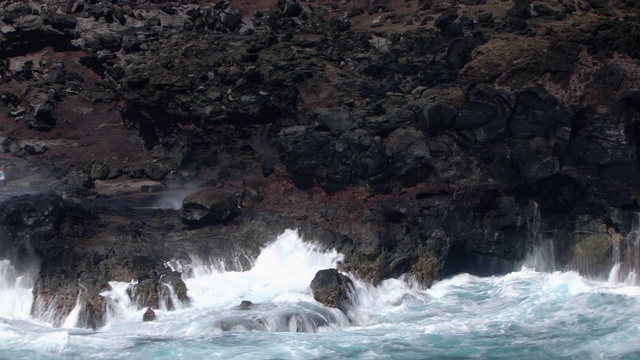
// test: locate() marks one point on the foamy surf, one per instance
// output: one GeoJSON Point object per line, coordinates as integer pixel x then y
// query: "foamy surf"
{"type": "Point", "coordinates": [523, 314]}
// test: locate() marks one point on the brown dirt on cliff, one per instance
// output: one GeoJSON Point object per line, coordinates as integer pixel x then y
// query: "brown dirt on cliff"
{"type": "Point", "coordinates": [88, 128]}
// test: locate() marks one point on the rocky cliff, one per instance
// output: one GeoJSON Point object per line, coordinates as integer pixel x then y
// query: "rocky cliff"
{"type": "Point", "coordinates": [413, 136]}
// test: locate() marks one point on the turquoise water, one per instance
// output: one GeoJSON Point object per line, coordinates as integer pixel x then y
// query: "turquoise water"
{"type": "Point", "coordinates": [522, 315]}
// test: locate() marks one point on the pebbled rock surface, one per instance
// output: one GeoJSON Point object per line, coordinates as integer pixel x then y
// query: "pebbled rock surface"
{"type": "Point", "coordinates": [412, 136]}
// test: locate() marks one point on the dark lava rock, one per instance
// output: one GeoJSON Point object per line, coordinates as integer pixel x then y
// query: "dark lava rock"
{"type": "Point", "coordinates": [155, 171]}
{"type": "Point", "coordinates": [245, 305]}
{"type": "Point", "coordinates": [521, 10]}
{"type": "Point", "coordinates": [158, 289]}
{"type": "Point", "coordinates": [409, 154]}
{"type": "Point", "coordinates": [209, 206]}
{"type": "Point", "coordinates": [436, 117]}
{"type": "Point", "coordinates": [339, 24]}
{"type": "Point", "coordinates": [305, 100]}
{"type": "Point", "coordinates": [149, 315]}
{"type": "Point", "coordinates": [43, 218]}
{"type": "Point", "coordinates": [447, 18]}
{"type": "Point", "coordinates": [78, 179]}
{"type": "Point", "coordinates": [332, 289]}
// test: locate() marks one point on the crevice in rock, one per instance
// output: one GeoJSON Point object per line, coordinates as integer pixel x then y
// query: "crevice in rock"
{"type": "Point", "coordinates": [463, 261]}
{"type": "Point", "coordinates": [556, 194]}
{"type": "Point", "coordinates": [27, 42]}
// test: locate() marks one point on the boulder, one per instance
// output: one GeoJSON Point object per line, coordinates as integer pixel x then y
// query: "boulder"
{"type": "Point", "coordinates": [447, 18]}
{"type": "Point", "coordinates": [521, 10]}
{"type": "Point", "coordinates": [337, 120]}
{"type": "Point", "coordinates": [15, 10]}
{"type": "Point", "coordinates": [149, 315]}
{"type": "Point", "coordinates": [339, 24]}
{"type": "Point", "coordinates": [485, 18]}
{"type": "Point", "coordinates": [302, 149]}
{"type": "Point", "coordinates": [78, 179]}
{"type": "Point", "coordinates": [209, 206]}
{"type": "Point", "coordinates": [245, 305]}
{"type": "Point", "coordinates": [409, 155]}
{"type": "Point", "coordinates": [436, 117]}
{"type": "Point", "coordinates": [232, 20]}
{"type": "Point", "coordinates": [332, 289]}
{"type": "Point", "coordinates": [35, 149]}
{"type": "Point", "coordinates": [485, 105]}
{"type": "Point", "coordinates": [145, 293]}
{"type": "Point", "coordinates": [59, 21]}
{"type": "Point", "coordinates": [155, 171]}
{"type": "Point", "coordinates": [290, 7]}
{"type": "Point", "coordinates": [99, 171]}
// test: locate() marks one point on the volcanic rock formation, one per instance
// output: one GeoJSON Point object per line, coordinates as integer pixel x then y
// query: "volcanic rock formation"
{"type": "Point", "coordinates": [411, 136]}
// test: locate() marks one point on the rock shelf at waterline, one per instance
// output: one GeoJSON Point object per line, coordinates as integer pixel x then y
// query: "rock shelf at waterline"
{"type": "Point", "coordinates": [464, 316]}
{"type": "Point", "coordinates": [73, 252]}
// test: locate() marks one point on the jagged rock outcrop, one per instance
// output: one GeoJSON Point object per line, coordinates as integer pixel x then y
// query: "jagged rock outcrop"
{"type": "Point", "coordinates": [55, 237]}
{"type": "Point", "coordinates": [159, 291]}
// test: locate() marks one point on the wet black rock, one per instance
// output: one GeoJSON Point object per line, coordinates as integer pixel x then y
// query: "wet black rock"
{"type": "Point", "coordinates": [45, 219]}
{"type": "Point", "coordinates": [245, 305]}
{"type": "Point", "coordinates": [149, 315]}
{"type": "Point", "coordinates": [158, 289]}
{"type": "Point", "coordinates": [333, 289]}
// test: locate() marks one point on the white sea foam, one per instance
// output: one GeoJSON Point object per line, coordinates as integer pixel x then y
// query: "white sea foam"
{"type": "Point", "coordinates": [71, 320]}
{"type": "Point", "coordinates": [524, 314]}
{"type": "Point", "coordinates": [15, 292]}
{"type": "Point", "coordinates": [282, 272]}
{"type": "Point", "coordinates": [278, 285]}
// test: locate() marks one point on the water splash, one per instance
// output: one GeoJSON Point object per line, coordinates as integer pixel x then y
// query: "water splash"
{"type": "Point", "coordinates": [614, 274]}
{"type": "Point", "coordinates": [277, 286]}
{"type": "Point", "coordinates": [119, 303]}
{"type": "Point", "coordinates": [71, 321]}
{"type": "Point", "coordinates": [626, 256]}
{"type": "Point", "coordinates": [633, 251]}
{"type": "Point", "coordinates": [524, 314]}
{"type": "Point", "coordinates": [541, 255]}
{"type": "Point", "coordinates": [197, 266]}
{"type": "Point", "coordinates": [284, 269]}
{"type": "Point", "coordinates": [16, 295]}
{"type": "Point", "coordinates": [168, 299]}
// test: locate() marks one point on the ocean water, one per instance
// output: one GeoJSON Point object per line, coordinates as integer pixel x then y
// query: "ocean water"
{"type": "Point", "coordinates": [525, 314]}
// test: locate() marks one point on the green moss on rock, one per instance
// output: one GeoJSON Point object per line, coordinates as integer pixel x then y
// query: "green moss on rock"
{"type": "Point", "coordinates": [594, 246]}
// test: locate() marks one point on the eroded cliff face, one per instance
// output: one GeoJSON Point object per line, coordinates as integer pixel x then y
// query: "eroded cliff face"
{"type": "Point", "coordinates": [405, 134]}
